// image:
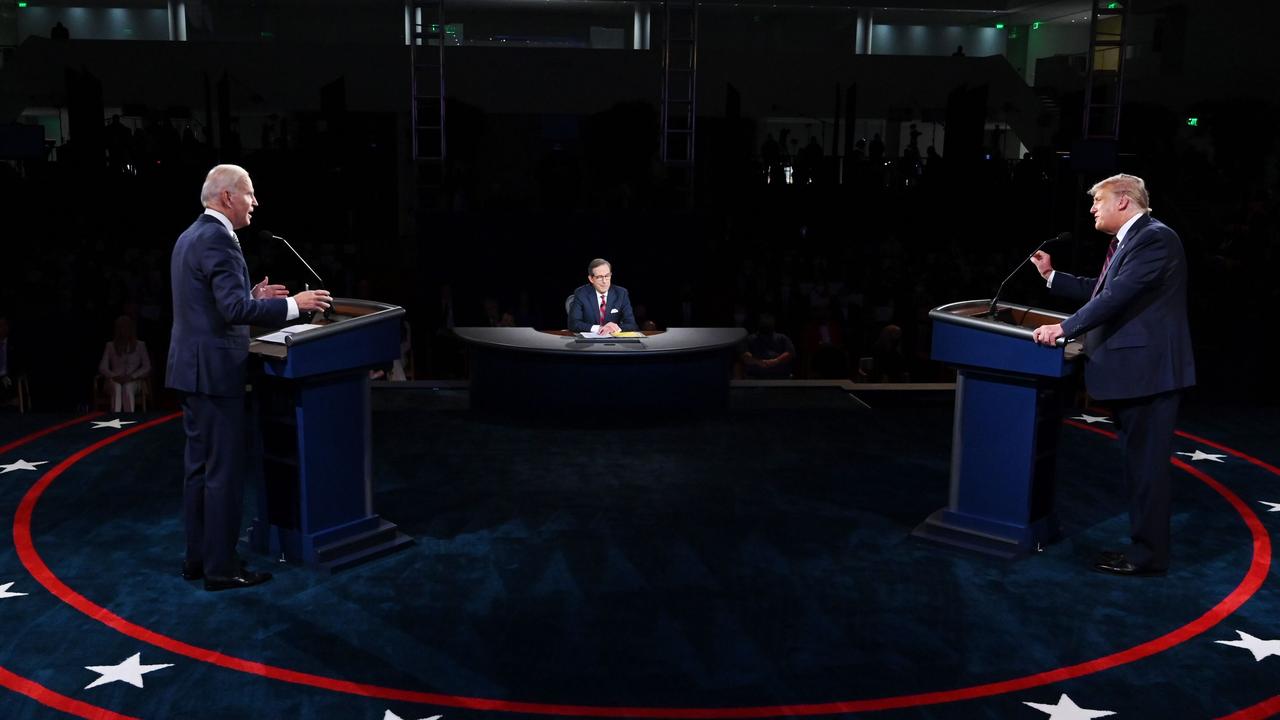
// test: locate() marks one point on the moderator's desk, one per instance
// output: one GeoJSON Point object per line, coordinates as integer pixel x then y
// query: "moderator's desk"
{"type": "Point", "coordinates": [529, 370]}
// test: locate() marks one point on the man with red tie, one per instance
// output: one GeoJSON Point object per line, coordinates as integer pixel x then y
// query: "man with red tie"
{"type": "Point", "coordinates": [1138, 356]}
{"type": "Point", "coordinates": [600, 306]}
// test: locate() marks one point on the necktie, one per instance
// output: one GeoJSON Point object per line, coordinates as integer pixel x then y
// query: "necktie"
{"type": "Point", "coordinates": [1106, 264]}
{"type": "Point", "coordinates": [602, 309]}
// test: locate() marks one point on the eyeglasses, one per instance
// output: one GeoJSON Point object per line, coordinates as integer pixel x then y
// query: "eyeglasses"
{"type": "Point", "coordinates": [602, 277]}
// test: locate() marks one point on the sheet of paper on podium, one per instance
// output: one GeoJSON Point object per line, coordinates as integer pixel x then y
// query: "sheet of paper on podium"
{"type": "Point", "coordinates": [280, 335]}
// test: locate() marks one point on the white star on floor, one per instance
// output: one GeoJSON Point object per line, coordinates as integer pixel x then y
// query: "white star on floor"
{"type": "Point", "coordinates": [117, 423]}
{"type": "Point", "coordinates": [130, 671]}
{"type": "Point", "coordinates": [392, 716]}
{"type": "Point", "coordinates": [4, 591]}
{"type": "Point", "coordinates": [1197, 456]}
{"type": "Point", "coordinates": [1066, 709]}
{"type": "Point", "coordinates": [1260, 648]}
{"type": "Point", "coordinates": [1091, 419]}
{"type": "Point", "coordinates": [21, 465]}
{"type": "Point", "coordinates": [1275, 507]}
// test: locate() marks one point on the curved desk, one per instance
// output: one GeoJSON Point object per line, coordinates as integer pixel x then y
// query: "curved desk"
{"type": "Point", "coordinates": [529, 370]}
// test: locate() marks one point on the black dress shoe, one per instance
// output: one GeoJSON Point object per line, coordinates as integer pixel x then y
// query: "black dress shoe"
{"type": "Point", "coordinates": [1118, 564]}
{"type": "Point", "coordinates": [246, 578]}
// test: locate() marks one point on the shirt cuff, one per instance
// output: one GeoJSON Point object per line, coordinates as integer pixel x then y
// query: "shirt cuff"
{"type": "Point", "coordinates": [1049, 282]}
{"type": "Point", "coordinates": [595, 329]}
{"type": "Point", "coordinates": [293, 309]}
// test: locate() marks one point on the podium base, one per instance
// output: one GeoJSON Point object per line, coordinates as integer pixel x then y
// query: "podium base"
{"type": "Point", "coordinates": [334, 549]}
{"type": "Point", "coordinates": [1001, 540]}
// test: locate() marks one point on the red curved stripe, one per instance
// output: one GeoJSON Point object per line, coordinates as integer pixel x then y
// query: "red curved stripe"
{"type": "Point", "coordinates": [57, 701]}
{"type": "Point", "coordinates": [1248, 458]}
{"type": "Point", "coordinates": [1256, 575]}
{"type": "Point", "coordinates": [30, 688]}
{"type": "Point", "coordinates": [41, 433]}
{"type": "Point", "coordinates": [1264, 709]}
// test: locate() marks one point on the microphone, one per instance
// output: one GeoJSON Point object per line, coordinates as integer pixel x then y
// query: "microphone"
{"type": "Point", "coordinates": [264, 236]}
{"type": "Point", "coordinates": [1060, 237]}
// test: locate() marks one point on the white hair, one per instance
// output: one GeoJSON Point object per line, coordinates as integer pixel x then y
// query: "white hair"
{"type": "Point", "coordinates": [220, 178]}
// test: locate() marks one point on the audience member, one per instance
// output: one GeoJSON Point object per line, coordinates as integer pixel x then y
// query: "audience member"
{"type": "Point", "coordinates": [124, 364]}
{"type": "Point", "coordinates": [888, 364]}
{"type": "Point", "coordinates": [769, 354]}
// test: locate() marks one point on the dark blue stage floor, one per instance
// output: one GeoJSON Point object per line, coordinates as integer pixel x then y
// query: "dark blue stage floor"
{"type": "Point", "coordinates": [752, 564]}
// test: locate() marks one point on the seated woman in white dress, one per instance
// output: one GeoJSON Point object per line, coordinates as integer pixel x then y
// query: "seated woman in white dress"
{"type": "Point", "coordinates": [124, 363]}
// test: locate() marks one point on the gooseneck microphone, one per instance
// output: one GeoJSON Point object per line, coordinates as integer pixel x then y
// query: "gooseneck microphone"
{"type": "Point", "coordinates": [264, 236]}
{"type": "Point", "coordinates": [1060, 237]}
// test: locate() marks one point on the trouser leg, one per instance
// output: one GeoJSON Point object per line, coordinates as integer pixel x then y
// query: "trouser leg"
{"type": "Point", "coordinates": [1146, 432]}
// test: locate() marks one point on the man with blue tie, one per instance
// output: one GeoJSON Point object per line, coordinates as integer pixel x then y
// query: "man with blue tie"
{"type": "Point", "coordinates": [1138, 357]}
{"type": "Point", "coordinates": [213, 307]}
{"type": "Point", "coordinates": [600, 306]}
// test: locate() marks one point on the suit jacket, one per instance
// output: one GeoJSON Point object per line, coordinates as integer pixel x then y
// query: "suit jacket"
{"type": "Point", "coordinates": [584, 309]}
{"type": "Point", "coordinates": [212, 311]}
{"type": "Point", "coordinates": [1136, 338]}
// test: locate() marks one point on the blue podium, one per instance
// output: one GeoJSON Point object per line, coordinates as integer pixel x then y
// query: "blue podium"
{"type": "Point", "coordinates": [316, 502]}
{"type": "Point", "coordinates": [1008, 416]}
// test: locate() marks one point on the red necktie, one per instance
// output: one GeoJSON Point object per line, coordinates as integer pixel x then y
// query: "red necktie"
{"type": "Point", "coordinates": [1106, 264]}
{"type": "Point", "coordinates": [602, 308]}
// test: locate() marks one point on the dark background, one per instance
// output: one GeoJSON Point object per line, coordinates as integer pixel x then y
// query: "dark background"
{"type": "Point", "coordinates": [553, 160]}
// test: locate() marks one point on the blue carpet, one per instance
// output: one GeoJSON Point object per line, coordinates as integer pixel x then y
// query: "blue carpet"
{"type": "Point", "coordinates": [759, 558]}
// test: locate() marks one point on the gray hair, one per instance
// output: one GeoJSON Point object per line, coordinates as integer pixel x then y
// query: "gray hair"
{"type": "Point", "coordinates": [1130, 186]}
{"type": "Point", "coordinates": [597, 263]}
{"type": "Point", "coordinates": [220, 179]}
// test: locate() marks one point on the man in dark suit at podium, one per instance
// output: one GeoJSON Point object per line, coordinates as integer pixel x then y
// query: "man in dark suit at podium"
{"type": "Point", "coordinates": [1138, 355]}
{"type": "Point", "coordinates": [213, 306]}
{"type": "Point", "coordinates": [600, 306]}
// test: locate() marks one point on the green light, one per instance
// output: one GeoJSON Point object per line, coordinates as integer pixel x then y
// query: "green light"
{"type": "Point", "coordinates": [999, 26]}
{"type": "Point", "coordinates": [1193, 122]}
{"type": "Point", "coordinates": [1035, 25]}
{"type": "Point", "coordinates": [22, 4]}
{"type": "Point", "coordinates": [1113, 6]}
{"type": "Point", "coordinates": [266, 34]}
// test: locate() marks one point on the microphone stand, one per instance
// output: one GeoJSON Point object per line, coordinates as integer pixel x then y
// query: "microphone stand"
{"type": "Point", "coordinates": [328, 313]}
{"type": "Point", "coordinates": [991, 309]}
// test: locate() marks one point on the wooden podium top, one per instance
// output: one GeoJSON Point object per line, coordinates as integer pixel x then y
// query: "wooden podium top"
{"type": "Point", "coordinates": [1010, 320]}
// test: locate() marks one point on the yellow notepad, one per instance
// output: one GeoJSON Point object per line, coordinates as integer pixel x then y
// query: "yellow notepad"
{"type": "Point", "coordinates": [627, 334]}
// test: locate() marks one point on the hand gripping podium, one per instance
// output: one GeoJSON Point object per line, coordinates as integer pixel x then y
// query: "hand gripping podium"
{"type": "Point", "coordinates": [316, 502]}
{"type": "Point", "coordinates": [1008, 416]}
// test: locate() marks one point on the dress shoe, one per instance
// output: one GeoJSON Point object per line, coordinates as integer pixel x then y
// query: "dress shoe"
{"type": "Point", "coordinates": [1118, 564]}
{"type": "Point", "coordinates": [246, 578]}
